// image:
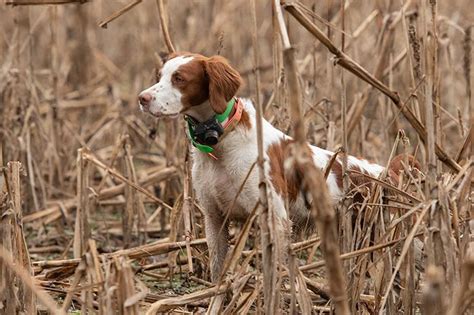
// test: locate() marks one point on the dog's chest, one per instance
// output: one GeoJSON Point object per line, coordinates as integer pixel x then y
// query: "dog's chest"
{"type": "Point", "coordinates": [221, 184]}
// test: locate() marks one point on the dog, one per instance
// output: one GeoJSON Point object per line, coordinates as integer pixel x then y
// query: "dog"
{"type": "Point", "coordinates": [222, 129]}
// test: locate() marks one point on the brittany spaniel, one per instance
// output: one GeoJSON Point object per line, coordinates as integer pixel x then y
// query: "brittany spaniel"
{"type": "Point", "coordinates": [222, 129]}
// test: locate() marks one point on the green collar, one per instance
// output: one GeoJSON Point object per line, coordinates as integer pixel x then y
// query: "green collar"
{"type": "Point", "coordinates": [219, 117]}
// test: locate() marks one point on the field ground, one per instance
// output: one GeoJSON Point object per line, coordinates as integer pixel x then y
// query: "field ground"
{"type": "Point", "coordinates": [96, 210]}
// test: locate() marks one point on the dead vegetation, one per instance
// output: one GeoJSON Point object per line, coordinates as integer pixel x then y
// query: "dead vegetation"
{"type": "Point", "coordinates": [97, 212]}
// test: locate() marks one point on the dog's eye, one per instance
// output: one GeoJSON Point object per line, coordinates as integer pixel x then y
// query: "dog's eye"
{"type": "Point", "coordinates": [178, 79]}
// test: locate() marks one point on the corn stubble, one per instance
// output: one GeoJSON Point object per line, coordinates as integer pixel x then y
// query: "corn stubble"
{"type": "Point", "coordinates": [97, 211]}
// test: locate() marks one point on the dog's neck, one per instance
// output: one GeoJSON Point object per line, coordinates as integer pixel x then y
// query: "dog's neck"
{"type": "Point", "coordinates": [206, 128]}
{"type": "Point", "coordinates": [202, 112]}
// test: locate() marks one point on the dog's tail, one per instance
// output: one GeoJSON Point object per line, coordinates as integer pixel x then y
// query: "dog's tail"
{"type": "Point", "coordinates": [402, 163]}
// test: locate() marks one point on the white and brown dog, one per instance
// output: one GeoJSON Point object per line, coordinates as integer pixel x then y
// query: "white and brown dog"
{"type": "Point", "coordinates": [222, 129]}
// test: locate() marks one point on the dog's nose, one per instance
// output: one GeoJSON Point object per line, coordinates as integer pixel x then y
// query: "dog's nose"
{"type": "Point", "coordinates": [144, 99]}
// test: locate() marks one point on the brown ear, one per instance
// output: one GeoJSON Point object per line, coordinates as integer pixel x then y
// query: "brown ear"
{"type": "Point", "coordinates": [224, 81]}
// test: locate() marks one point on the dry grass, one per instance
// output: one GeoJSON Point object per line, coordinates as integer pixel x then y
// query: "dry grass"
{"type": "Point", "coordinates": [99, 215]}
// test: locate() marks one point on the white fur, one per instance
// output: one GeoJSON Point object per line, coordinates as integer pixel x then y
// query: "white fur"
{"type": "Point", "coordinates": [321, 158]}
{"type": "Point", "coordinates": [371, 168]}
{"type": "Point", "coordinates": [166, 99]}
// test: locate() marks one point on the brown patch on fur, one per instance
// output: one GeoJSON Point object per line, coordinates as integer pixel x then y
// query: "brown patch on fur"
{"type": "Point", "coordinates": [206, 78]}
{"type": "Point", "coordinates": [193, 83]}
{"type": "Point", "coordinates": [358, 180]}
{"type": "Point", "coordinates": [191, 79]}
{"type": "Point", "coordinates": [355, 179]}
{"type": "Point", "coordinates": [224, 81]}
{"type": "Point", "coordinates": [245, 120]}
{"type": "Point", "coordinates": [287, 184]}
{"type": "Point", "coordinates": [337, 170]}
{"type": "Point", "coordinates": [395, 167]}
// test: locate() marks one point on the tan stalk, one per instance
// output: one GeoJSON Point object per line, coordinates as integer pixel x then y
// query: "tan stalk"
{"type": "Point", "coordinates": [81, 228]}
{"type": "Point", "coordinates": [323, 212]}
{"type": "Point", "coordinates": [267, 218]}
{"type": "Point", "coordinates": [164, 25]}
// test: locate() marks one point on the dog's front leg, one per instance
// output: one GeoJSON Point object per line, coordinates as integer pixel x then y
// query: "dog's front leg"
{"type": "Point", "coordinates": [217, 242]}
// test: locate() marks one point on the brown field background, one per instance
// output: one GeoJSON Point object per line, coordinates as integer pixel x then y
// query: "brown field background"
{"type": "Point", "coordinates": [94, 219]}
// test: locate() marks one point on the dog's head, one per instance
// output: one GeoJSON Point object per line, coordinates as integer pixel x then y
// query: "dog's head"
{"type": "Point", "coordinates": [188, 80]}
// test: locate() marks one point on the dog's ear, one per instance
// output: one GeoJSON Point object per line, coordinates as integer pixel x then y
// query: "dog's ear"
{"type": "Point", "coordinates": [224, 81]}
